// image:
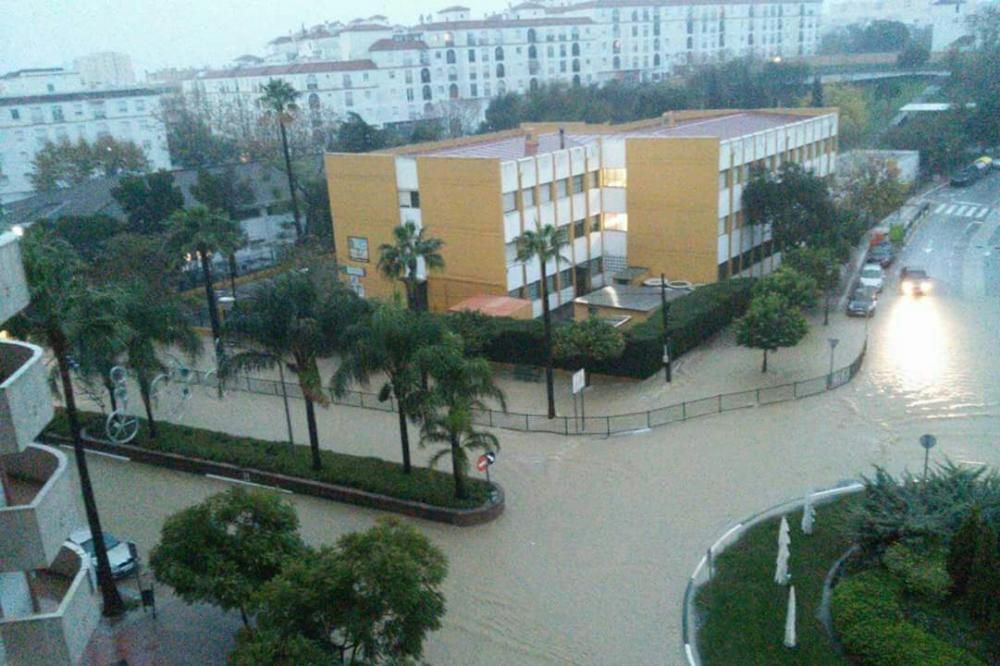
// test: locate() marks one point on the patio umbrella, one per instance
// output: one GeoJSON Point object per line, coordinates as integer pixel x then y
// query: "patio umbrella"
{"type": "Point", "coordinates": [790, 619]}
{"type": "Point", "coordinates": [781, 565]}
{"type": "Point", "coordinates": [808, 515]}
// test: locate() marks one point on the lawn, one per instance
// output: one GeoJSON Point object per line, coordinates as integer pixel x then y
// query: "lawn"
{"type": "Point", "coordinates": [742, 610]}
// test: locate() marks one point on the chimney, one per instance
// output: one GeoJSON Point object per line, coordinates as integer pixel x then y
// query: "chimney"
{"type": "Point", "coordinates": [562, 139]}
{"type": "Point", "coordinates": [530, 145]}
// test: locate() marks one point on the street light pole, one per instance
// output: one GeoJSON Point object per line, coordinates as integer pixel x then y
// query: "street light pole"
{"type": "Point", "coordinates": [833, 345]}
{"type": "Point", "coordinates": [665, 309]}
{"type": "Point", "coordinates": [928, 442]}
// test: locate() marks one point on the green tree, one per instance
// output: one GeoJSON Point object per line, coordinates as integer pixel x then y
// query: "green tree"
{"type": "Point", "coordinates": [461, 386]}
{"type": "Point", "coordinates": [590, 340]}
{"type": "Point", "coordinates": [400, 259]}
{"type": "Point", "coordinates": [770, 323]}
{"type": "Point", "coordinates": [872, 190]}
{"type": "Point", "coordinates": [796, 205]}
{"type": "Point", "coordinates": [87, 234]}
{"type": "Point", "coordinates": [136, 257]}
{"type": "Point", "coordinates": [761, 201]}
{"type": "Point", "coordinates": [940, 138]}
{"type": "Point", "coordinates": [913, 56]}
{"type": "Point", "coordinates": [798, 289]}
{"type": "Point", "coordinates": [853, 117]}
{"type": "Point", "coordinates": [546, 246]}
{"type": "Point", "coordinates": [504, 112]}
{"type": "Point", "coordinates": [354, 135]}
{"type": "Point", "coordinates": [316, 202]}
{"type": "Point", "coordinates": [983, 588]}
{"type": "Point", "coordinates": [193, 145]}
{"type": "Point", "coordinates": [390, 342]}
{"type": "Point", "coordinates": [962, 551]}
{"type": "Point", "coordinates": [475, 329]}
{"type": "Point", "coordinates": [821, 265]}
{"type": "Point", "coordinates": [267, 646]}
{"type": "Point", "coordinates": [371, 599]}
{"type": "Point", "coordinates": [429, 129]}
{"type": "Point", "coordinates": [65, 164]}
{"type": "Point", "coordinates": [226, 193]}
{"type": "Point", "coordinates": [224, 549]}
{"type": "Point", "coordinates": [817, 92]}
{"type": "Point", "coordinates": [292, 321]}
{"type": "Point", "coordinates": [148, 200]}
{"type": "Point", "coordinates": [63, 308]}
{"type": "Point", "coordinates": [200, 232]}
{"type": "Point", "coordinates": [278, 102]}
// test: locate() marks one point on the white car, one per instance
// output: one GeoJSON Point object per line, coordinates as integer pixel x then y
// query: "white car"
{"type": "Point", "coordinates": [872, 276]}
{"type": "Point", "coordinates": [121, 554]}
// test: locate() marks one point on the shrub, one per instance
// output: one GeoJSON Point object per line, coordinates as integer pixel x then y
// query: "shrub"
{"type": "Point", "coordinates": [923, 575]}
{"type": "Point", "coordinates": [962, 551]}
{"type": "Point", "coordinates": [897, 234]}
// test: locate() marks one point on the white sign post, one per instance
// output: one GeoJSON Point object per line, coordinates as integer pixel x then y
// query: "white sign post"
{"type": "Point", "coordinates": [580, 383]}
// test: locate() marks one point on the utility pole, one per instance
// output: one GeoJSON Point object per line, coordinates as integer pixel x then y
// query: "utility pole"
{"type": "Point", "coordinates": [666, 333]}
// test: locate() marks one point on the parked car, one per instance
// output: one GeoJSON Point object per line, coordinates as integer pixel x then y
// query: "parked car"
{"type": "Point", "coordinates": [965, 177]}
{"type": "Point", "coordinates": [862, 302]}
{"type": "Point", "coordinates": [882, 254]}
{"type": "Point", "coordinates": [121, 554]}
{"type": "Point", "coordinates": [914, 281]}
{"type": "Point", "coordinates": [873, 276]}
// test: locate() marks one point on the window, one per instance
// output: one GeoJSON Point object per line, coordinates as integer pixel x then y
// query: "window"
{"type": "Point", "coordinates": [357, 248]}
{"type": "Point", "coordinates": [140, 105]}
{"type": "Point", "coordinates": [579, 228]}
{"type": "Point", "coordinates": [527, 197]}
{"type": "Point", "coordinates": [311, 83]}
{"type": "Point", "coordinates": [409, 199]}
{"type": "Point", "coordinates": [615, 178]}
{"type": "Point", "coordinates": [123, 106]}
{"type": "Point", "coordinates": [57, 114]}
{"type": "Point", "coordinates": [722, 225]}
{"type": "Point", "coordinates": [593, 178]}
{"type": "Point", "coordinates": [498, 53]}
{"type": "Point", "coordinates": [36, 114]}
{"type": "Point", "coordinates": [534, 290]}
{"type": "Point", "coordinates": [562, 188]}
{"type": "Point", "coordinates": [509, 202]}
{"type": "Point", "coordinates": [426, 92]}
{"type": "Point", "coordinates": [578, 183]}
{"type": "Point", "coordinates": [566, 278]}
{"type": "Point", "coordinates": [595, 223]}
{"type": "Point", "coordinates": [409, 95]}
{"type": "Point", "coordinates": [97, 108]}
{"type": "Point", "coordinates": [348, 98]}
{"type": "Point", "coordinates": [473, 90]}
{"type": "Point", "coordinates": [500, 70]}
{"type": "Point", "coordinates": [453, 91]}
{"type": "Point", "coordinates": [472, 55]}
{"type": "Point", "coordinates": [15, 114]}
{"type": "Point", "coordinates": [449, 57]}
{"type": "Point", "coordinates": [545, 193]}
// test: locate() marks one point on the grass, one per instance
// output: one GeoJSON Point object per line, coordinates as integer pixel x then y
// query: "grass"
{"type": "Point", "coordinates": [363, 473]}
{"type": "Point", "coordinates": [742, 610]}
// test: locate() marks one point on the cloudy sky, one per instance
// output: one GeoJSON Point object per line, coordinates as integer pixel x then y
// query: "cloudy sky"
{"type": "Point", "coordinates": [158, 33]}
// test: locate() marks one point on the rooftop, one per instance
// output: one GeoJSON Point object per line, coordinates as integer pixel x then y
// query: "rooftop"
{"type": "Point", "coordinates": [303, 68]}
{"type": "Point", "coordinates": [494, 306]}
{"type": "Point", "coordinates": [620, 297]}
{"type": "Point", "coordinates": [398, 45]}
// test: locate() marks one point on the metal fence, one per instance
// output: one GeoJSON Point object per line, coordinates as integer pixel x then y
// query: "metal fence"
{"type": "Point", "coordinates": [569, 425]}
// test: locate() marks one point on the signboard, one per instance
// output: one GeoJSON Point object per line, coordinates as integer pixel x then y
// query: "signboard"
{"type": "Point", "coordinates": [485, 460]}
{"type": "Point", "coordinates": [354, 271]}
{"type": "Point", "coordinates": [357, 248]}
{"type": "Point", "coordinates": [579, 380]}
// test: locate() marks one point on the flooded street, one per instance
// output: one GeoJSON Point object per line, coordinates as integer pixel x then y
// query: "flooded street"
{"type": "Point", "coordinates": [588, 564]}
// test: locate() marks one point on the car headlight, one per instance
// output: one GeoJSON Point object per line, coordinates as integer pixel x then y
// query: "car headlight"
{"type": "Point", "coordinates": [907, 287]}
{"type": "Point", "coordinates": [926, 285]}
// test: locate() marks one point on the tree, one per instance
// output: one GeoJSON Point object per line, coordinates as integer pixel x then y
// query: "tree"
{"type": "Point", "coordinates": [64, 309]}
{"type": "Point", "coordinates": [761, 200]}
{"type": "Point", "coordinates": [504, 112]}
{"type": "Point", "coordinates": [429, 129]}
{"type": "Point", "coordinates": [226, 193]}
{"type": "Point", "coordinates": [872, 190]}
{"type": "Point", "coordinates": [545, 245]}
{"type": "Point", "coordinates": [356, 136]}
{"type": "Point", "coordinates": [821, 265]}
{"type": "Point", "coordinates": [134, 257]}
{"type": "Point", "coordinates": [475, 329]}
{"type": "Point", "coordinates": [962, 551]}
{"type": "Point", "coordinates": [267, 646]}
{"type": "Point", "coordinates": [371, 599]}
{"type": "Point", "coordinates": [224, 549]}
{"type": "Point", "coordinates": [148, 200]}
{"type": "Point", "coordinates": [200, 232]}
{"type": "Point", "coordinates": [278, 102]}
{"type": "Point", "coordinates": [913, 56]}
{"type": "Point", "coordinates": [771, 322]}
{"type": "Point", "coordinates": [983, 586]}
{"type": "Point", "coordinates": [853, 117]}
{"type": "Point", "coordinates": [291, 321]}
{"type": "Point", "coordinates": [86, 234]}
{"type": "Point", "coordinates": [193, 145]}
{"type": "Point", "coordinates": [940, 138]}
{"type": "Point", "coordinates": [65, 164]}
{"type": "Point", "coordinates": [391, 341]}
{"type": "Point", "coordinates": [799, 208]}
{"type": "Point", "coordinates": [461, 385]}
{"type": "Point", "coordinates": [588, 340]}
{"type": "Point", "coordinates": [797, 289]}
{"type": "Point", "coordinates": [817, 92]}
{"type": "Point", "coordinates": [316, 201]}
{"type": "Point", "coordinates": [400, 259]}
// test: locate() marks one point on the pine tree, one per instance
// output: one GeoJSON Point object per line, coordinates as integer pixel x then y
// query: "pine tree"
{"type": "Point", "coordinates": [963, 550]}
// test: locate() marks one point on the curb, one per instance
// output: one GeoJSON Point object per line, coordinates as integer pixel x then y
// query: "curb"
{"type": "Point", "coordinates": [281, 482]}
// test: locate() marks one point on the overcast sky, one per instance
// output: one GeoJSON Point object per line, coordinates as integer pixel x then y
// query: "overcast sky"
{"type": "Point", "coordinates": [159, 33]}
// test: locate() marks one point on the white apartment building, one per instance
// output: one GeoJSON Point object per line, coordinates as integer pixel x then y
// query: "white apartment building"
{"type": "Point", "coordinates": [49, 604]}
{"type": "Point", "coordinates": [451, 65]}
{"type": "Point", "coordinates": [105, 69]}
{"type": "Point", "coordinates": [50, 105]}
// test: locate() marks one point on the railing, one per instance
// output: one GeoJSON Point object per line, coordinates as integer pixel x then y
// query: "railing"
{"type": "Point", "coordinates": [570, 425]}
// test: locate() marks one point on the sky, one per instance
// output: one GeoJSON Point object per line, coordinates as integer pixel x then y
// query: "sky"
{"type": "Point", "coordinates": [180, 33]}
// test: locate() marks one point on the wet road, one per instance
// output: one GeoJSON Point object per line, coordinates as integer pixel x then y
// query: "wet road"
{"type": "Point", "coordinates": [589, 563]}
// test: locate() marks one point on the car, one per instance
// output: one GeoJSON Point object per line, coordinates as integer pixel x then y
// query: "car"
{"type": "Point", "coordinates": [862, 302]}
{"type": "Point", "coordinates": [121, 554]}
{"type": "Point", "coordinates": [914, 281]}
{"type": "Point", "coordinates": [965, 177]}
{"type": "Point", "coordinates": [873, 276]}
{"type": "Point", "coordinates": [882, 254]}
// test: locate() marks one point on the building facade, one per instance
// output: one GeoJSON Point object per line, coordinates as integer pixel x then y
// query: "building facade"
{"type": "Point", "coordinates": [49, 605]}
{"type": "Point", "coordinates": [663, 196]}
{"type": "Point", "coordinates": [105, 69]}
{"type": "Point", "coordinates": [38, 107]}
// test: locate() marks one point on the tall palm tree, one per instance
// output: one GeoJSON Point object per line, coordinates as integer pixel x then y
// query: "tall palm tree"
{"type": "Point", "coordinates": [461, 385]}
{"type": "Point", "coordinates": [278, 102]}
{"type": "Point", "coordinates": [398, 260]}
{"type": "Point", "coordinates": [545, 245]}
{"type": "Point", "coordinates": [292, 320]}
{"type": "Point", "coordinates": [200, 232]}
{"type": "Point", "coordinates": [392, 341]}
{"type": "Point", "coordinates": [64, 309]}
{"type": "Point", "coordinates": [153, 320]}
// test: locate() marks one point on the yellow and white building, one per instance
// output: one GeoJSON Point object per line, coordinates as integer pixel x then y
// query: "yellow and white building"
{"type": "Point", "coordinates": [662, 194]}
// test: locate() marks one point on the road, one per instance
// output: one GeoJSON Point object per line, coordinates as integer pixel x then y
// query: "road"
{"type": "Point", "coordinates": [589, 563]}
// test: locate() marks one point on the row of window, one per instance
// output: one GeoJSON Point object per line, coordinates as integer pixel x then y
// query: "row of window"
{"type": "Point", "coordinates": [547, 191]}
{"type": "Point", "coordinates": [557, 281]}
{"type": "Point", "coordinates": [79, 111]}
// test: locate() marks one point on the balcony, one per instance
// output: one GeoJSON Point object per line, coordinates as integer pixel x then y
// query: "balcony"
{"type": "Point", "coordinates": [25, 403]}
{"type": "Point", "coordinates": [67, 612]}
{"type": "Point", "coordinates": [13, 287]}
{"type": "Point", "coordinates": [41, 510]}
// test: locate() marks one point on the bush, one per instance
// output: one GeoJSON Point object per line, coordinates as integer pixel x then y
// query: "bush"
{"type": "Point", "coordinates": [923, 575]}
{"type": "Point", "coordinates": [369, 474]}
{"type": "Point", "coordinates": [870, 624]}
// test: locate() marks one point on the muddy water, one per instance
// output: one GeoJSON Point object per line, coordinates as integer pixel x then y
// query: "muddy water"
{"type": "Point", "coordinates": [589, 563]}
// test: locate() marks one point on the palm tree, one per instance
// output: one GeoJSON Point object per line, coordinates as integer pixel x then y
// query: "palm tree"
{"type": "Point", "coordinates": [545, 245]}
{"type": "Point", "coordinates": [278, 101]}
{"type": "Point", "coordinates": [461, 385]}
{"type": "Point", "coordinates": [153, 320]}
{"type": "Point", "coordinates": [199, 232]}
{"type": "Point", "coordinates": [292, 321]}
{"type": "Point", "coordinates": [398, 260]}
{"type": "Point", "coordinates": [64, 309]}
{"type": "Point", "coordinates": [391, 341]}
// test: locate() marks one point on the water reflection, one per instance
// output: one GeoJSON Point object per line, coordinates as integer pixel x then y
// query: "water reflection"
{"type": "Point", "coordinates": [916, 340]}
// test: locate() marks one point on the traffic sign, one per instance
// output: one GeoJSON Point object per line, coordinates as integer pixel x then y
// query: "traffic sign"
{"type": "Point", "coordinates": [485, 460]}
{"type": "Point", "coordinates": [928, 441]}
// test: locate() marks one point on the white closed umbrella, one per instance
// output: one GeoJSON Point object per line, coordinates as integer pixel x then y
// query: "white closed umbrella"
{"type": "Point", "coordinates": [784, 533]}
{"type": "Point", "coordinates": [790, 640]}
{"type": "Point", "coordinates": [808, 516]}
{"type": "Point", "coordinates": [781, 565]}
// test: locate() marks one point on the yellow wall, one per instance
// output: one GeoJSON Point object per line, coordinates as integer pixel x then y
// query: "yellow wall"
{"type": "Point", "coordinates": [364, 203]}
{"type": "Point", "coordinates": [672, 202]}
{"type": "Point", "coordinates": [460, 204]}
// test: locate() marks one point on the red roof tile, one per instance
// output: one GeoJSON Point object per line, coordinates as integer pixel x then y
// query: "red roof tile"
{"type": "Point", "coordinates": [303, 68]}
{"type": "Point", "coordinates": [398, 45]}
{"type": "Point", "coordinates": [454, 8]}
{"type": "Point", "coordinates": [500, 23]}
{"type": "Point", "coordinates": [365, 27]}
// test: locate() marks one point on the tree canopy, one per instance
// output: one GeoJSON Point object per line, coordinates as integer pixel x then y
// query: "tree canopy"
{"type": "Point", "coordinates": [770, 323]}
{"type": "Point", "coordinates": [148, 200]}
{"type": "Point", "coordinates": [64, 164]}
{"type": "Point", "coordinates": [588, 339]}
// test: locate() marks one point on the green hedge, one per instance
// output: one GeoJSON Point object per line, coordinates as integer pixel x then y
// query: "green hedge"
{"type": "Point", "coordinates": [871, 625]}
{"type": "Point", "coordinates": [693, 319]}
{"type": "Point", "coordinates": [923, 575]}
{"type": "Point", "coordinates": [363, 473]}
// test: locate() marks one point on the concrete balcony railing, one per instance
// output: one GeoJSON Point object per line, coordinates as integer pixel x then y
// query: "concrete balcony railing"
{"type": "Point", "coordinates": [25, 402]}
{"type": "Point", "coordinates": [41, 508]}
{"type": "Point", "coordinates": [13, 287]}
{"type": "Point", "coordinates": [68, 610]}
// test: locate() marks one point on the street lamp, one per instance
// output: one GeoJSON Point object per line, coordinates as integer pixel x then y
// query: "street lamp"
{"type": "Point", "coordinates": [666, 333]}
{"type": "Point", "coordinates": [928, 442]}
{"type": "Point", "coordinates": [833, 345]}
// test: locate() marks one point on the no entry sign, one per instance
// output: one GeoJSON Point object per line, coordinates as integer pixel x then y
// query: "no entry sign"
{"type": "Point", "coordinates": [485, 460]}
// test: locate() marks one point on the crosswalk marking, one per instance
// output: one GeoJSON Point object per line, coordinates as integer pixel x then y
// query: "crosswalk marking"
{"type": "Point", "coordinates": [940, 208]}
{"type": "Point", "coordinates": [981, 214]}
{"type": "Point", "coordinates": [950, 210]}
{"type": "Point", "coordinates": [962, 210]}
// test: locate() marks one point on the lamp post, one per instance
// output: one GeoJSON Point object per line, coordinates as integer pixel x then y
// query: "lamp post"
{"type": "Point", "coordinates": [666, 333]}
{"type": "Point", "coordinates": [928, 442]}
{"type": "Point", "coordinates": [833, 345]}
